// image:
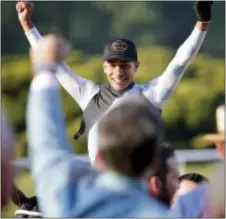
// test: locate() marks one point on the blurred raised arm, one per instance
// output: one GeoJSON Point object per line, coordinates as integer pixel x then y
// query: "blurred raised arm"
{"type": "Point", "coordinates": [53, 164]}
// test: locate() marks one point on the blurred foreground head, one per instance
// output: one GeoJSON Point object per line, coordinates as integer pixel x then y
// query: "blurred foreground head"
{"type": "Point", "coordinates": [163, 183]}
{"type": "Point", "coordinates": [218, 138]}
{"type": "Point", "coordinates": [7, 144]}
{"type": "Point", "coordinates": [129, 137]}
{"type": "Point", "coordinates": [189, 182]}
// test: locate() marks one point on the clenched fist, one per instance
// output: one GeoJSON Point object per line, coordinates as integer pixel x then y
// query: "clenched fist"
{"type": "Point", "coordinates": [25, 10]}
{"type": "Point", "coordinates": [51, 49]}
{"type": "Point", "coordinates": [203, 10]}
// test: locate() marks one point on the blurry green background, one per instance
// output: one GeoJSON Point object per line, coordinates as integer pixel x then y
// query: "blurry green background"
{"type": "Point", "coordinates": [158, 29]}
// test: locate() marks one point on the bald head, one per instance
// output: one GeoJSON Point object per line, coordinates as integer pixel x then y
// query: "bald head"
{"type": "Point", "coordinates": [7, 143]}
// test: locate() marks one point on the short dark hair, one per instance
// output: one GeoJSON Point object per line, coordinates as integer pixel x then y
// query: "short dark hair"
{"type": "Point", "coordinates": [129, 136]}
{"type": "Point", "coordinates": [193, 177]}
{"type": "Point", "coordinates": [166, 151]}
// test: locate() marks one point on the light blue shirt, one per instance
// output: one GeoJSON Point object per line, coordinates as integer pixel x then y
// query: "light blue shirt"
{"type": "Point", "coordinates": [66, 186]}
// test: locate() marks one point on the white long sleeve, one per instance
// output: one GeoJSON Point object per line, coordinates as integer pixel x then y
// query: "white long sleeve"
{"type": "Point", "coordinates": [159, 89]}
{"type": "Point", "coordinates": [82, 90]}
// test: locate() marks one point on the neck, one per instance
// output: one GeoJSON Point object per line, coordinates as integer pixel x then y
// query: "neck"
{"type": "Point", "coordinates": [100, 165]}
{"type": "Point", "coordinates": [120, 92]}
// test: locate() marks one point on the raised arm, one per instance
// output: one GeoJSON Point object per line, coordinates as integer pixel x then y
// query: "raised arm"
{"type": "Point", "coordinates": [82, 90]}
{"type": "Point", "coordinates": [159, 90]}
{"type": "Point", "coordinates": [53, 165]}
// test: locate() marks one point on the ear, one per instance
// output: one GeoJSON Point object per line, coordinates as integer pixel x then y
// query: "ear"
{"type": "Point", "coordinates": [137, 64]}
{"type": "Point", "coordinates": [104, 67]}
{"type": "Point", "coordinates": [154, 185]}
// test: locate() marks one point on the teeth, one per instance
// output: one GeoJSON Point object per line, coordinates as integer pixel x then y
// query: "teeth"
{"type": "Point", "coordinates": [119, 82]}
{"type": "Point", "coordinates": [120, 79]}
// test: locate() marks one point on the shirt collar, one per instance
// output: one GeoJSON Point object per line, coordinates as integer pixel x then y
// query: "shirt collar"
{"type": "Point", "coordinates": [118, 182]}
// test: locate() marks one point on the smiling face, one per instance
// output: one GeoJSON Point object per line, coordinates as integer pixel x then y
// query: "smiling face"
{"type": "Point", "coordinates": [120, 74]}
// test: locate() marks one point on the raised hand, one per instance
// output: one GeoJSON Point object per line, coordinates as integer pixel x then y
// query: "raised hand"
{"type": "Point", "coordinates": [25, 10]}
{"type": "Point", "coordinates": [203, 10]}
{"type": "Point", "coordinates": [51, 50]}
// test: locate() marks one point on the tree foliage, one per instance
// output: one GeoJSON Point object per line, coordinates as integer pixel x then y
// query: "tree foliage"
{"type": "Point", "coordinates": [89, 25]}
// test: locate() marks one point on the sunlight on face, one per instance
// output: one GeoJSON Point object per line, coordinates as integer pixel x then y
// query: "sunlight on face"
{"type": "Point", "coordinates": [120, 74]}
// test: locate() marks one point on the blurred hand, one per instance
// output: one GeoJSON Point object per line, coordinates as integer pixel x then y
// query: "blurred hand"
{"type": "Point", "coordinates": [203, 10]}
{"type": "Point", "coordinates": [50, 49]}
{"type": "Point", "coordinates": [24, 10]}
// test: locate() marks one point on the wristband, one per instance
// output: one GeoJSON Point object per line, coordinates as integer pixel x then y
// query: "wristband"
{"type": "Point", "coordinates": [52, 67]}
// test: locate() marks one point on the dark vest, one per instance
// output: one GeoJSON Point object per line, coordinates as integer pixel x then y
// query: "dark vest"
{"type": "Point", "coordinates": [98, 106]}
